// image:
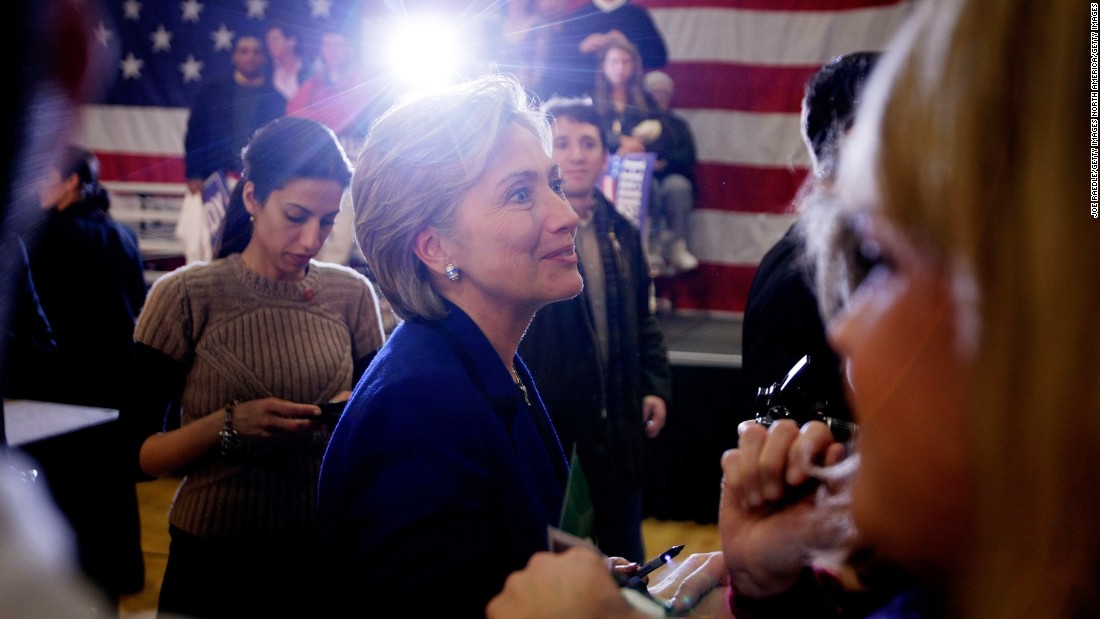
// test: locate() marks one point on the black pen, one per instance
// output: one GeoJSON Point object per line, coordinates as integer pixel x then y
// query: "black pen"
{"type": "Point", "coordinates": [650, 566]}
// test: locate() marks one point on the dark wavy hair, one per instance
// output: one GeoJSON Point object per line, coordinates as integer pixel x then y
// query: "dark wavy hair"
{"type": "Point", "coordinates": [284, 150]}
{"type": "Point", "coordinates": [829, 105]}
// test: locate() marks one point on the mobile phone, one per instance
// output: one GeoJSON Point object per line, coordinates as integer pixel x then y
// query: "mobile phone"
{"type": "Point", "coordinates": [331, 411]}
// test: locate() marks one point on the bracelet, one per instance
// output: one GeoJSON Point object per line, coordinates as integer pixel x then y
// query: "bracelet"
{"type": "Point", "coordinates": [230, 440]}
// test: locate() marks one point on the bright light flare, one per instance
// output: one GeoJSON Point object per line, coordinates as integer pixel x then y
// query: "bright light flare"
{"type": "Point", "coordinates": [425, 52]}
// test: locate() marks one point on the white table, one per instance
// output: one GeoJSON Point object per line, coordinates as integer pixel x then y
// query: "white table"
{"type": "Point", "coordinates": [27, 421]}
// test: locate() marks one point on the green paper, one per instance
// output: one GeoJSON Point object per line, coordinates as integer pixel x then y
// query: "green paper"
{"type": "Point", "coordinates": [578, 517]}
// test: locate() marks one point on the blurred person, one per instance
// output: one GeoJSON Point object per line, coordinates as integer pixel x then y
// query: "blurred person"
{"type": "Point", "coordinates": [600, 357]}
{"type": "Point", "coordinates": [633, 122]}
{"type": "Point", "coordinates": [227, 111]}
{"type": "Point", "coordinates": [244, 349]}
{"type": "Point", "coordinates": [621, 101]}
{"type": "Point", "coordinates": [584, 35]}
{"type": "Point", "coordinates": [31, 359]}
{"type": "Point", "coordinates": [90, 279]}
{"type": "Point", "coordinates": [525, 35]}
{"type": "Point", "coordinates": [782, 320]}
{"type": "Point", "coordinates": [969, 476]}
{"type": "Point", "coordinates": [288, 67]}
{"type": "Point", "coordinates": [337, 95]}
{"type": "Point", "coordinates": [56, 67]}
{"type": "Point", "coordinates": [445, 471]}
{"type": "Point", "coordinates": [41, 579]}
{"type": "Point", "coordinates": [673, 179]}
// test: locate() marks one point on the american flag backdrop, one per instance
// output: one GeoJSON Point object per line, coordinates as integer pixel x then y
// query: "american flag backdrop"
{"type": "Point", "coordinates": [739, 68]}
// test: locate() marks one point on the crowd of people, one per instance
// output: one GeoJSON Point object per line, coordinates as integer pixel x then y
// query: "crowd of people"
{"type": "Point", "coordinates": [942, 248]}
{"type": "Point", "coordinates": [553, 47]}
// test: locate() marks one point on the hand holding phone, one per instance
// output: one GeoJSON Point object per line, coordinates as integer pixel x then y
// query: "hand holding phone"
{"type": "Point", "coordinates": [332, 410]}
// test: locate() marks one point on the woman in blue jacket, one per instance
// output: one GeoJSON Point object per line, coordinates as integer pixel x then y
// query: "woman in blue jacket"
{"type": "Point", "coordinates": [445, 471]}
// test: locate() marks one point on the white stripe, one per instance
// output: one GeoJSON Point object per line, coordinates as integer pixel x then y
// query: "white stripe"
{"type": "Point", "coordinates": [747, 138]}
{"type": "Point", "coordinates": [735, 239]}
{"type": "Point", "coordinates": [786, 38]}
{"type": "Point", "coordinates": [134, 130]}
{"type": "Point", "coordinates": [721, 136]}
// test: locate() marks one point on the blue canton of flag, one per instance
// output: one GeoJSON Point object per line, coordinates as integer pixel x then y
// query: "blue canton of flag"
{"type": "Point", "coordinates": [167, 49]}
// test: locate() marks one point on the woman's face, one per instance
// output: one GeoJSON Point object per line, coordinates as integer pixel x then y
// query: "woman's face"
{"type": "Point", "coordinates": [53, 190]}
{"type": "Point", "coordinates": [291, 226]}
{"type": "Point", "coordinates": [278, 44]}
{"type": "Point", "coordinates": [335, 50]}
{"type": "Point", "coordinates": [513, 238]}
{"type": "Point", "coordinates": [898, 344]}
{"type": "Point", "coordinates": [618, 66]}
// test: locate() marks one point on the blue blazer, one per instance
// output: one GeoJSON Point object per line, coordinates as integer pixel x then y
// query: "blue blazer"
{"type": "Point", "coordinates": [439, 480]}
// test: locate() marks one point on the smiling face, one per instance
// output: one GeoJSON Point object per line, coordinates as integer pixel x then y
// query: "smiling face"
{"type": "Point", "coordinates": [290, 227]}
{"type": "Point", "coordinates": [513, 238]}
{"type": "Point", "coordinates": [907, 379]}
{"type": "Point", "coordinates": [579, 150]}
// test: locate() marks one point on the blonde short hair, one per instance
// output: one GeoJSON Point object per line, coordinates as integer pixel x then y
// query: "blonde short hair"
{"type": "Point", "coordinates": [419, 160]}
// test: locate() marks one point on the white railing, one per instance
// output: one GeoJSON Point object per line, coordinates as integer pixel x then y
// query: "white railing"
{"type": "Point", "coordinates": [151, 210]}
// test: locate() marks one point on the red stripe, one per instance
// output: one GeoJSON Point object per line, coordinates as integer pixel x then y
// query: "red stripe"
{"type": "Point", "coordinates": [742, 87]}
{"type": "Point", "coordinates": [710, 287]}
{"type": "Point", "coordinates": [140, 168]}
{"type": "Point", "coordinates": [747, 189]}
{"type": "Point", "coordinates": [767, 5]}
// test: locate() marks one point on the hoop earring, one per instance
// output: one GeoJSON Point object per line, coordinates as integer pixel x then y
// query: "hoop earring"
{"type": "Point", "coordinates": [452, 272]}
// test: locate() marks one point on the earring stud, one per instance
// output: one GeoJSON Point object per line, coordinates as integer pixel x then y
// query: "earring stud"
{"type": "Point", "coordinates": [452, 272]}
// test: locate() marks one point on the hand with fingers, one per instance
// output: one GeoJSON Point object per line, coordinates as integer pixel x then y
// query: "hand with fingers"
{"type": "Point", "coordinates": [785, 500]}
{"type": "Point", "coordinates": [266, 418]}
{"type": "Point", "coordinates": [576, 583]}
{"type": "Point", "coordinates": [697, 586]}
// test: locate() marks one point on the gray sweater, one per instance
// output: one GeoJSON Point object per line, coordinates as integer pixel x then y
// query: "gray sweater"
{"type": "Point", "coordinates": [245, 337]}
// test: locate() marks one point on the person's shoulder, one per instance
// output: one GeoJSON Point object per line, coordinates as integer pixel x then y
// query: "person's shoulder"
{"type": "Point", "coordinates": [217, 83]}
{"type": "Point", "coordinates": [416, 358]}
{"type": "Point", "coordinates": [267, 88]}
{"type": "Point", "coordinates": [180, 277]}
{"type": "Point", "coordinates": [126, 235]}
{"type": "Point", "coordinates": [674, 118]}
{"type": "Point", "coordinates": [584, 10]}
{"type": "Point", "coordinates": [336, 272]}
{"type": "Point", "coordinates": [631, 7]}
{"type": "Point", "coordinates": [333, 274]}
{"type": "Point", "coordinates": [579, 21]}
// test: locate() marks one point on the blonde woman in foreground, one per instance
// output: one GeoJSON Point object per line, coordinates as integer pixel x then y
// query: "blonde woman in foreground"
{"type": "Point", "coordinates": [969, 348]}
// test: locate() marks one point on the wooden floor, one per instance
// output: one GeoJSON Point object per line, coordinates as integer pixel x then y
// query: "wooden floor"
{"type": "Point", "coordinates": [154, 498]}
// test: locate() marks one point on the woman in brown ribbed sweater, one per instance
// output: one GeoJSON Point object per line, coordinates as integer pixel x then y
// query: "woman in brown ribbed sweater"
{"type": "Point", "coordinates": [247, 347]}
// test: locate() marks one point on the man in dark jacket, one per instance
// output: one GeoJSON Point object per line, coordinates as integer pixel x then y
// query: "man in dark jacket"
{"type": "Point", "coordinates": [599, 359]}
{"type": "Point", "coordinates": [227, 111]}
